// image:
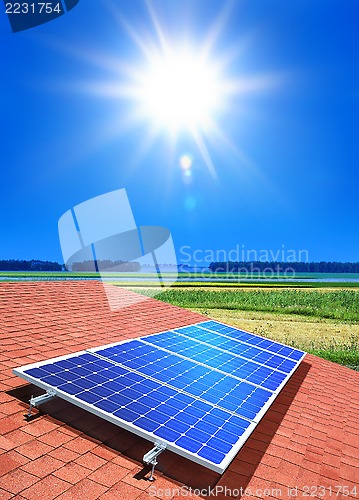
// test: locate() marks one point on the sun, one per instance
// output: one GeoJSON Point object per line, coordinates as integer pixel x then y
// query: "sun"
{"type": "Point", "coordinates": [180, 90]}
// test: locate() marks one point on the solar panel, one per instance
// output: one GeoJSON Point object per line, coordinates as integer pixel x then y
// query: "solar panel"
{"type": "Point", "coordinates": [199, 389]}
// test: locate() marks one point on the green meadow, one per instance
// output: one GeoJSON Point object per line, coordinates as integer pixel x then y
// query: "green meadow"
{"type": "Point", "coordinates": [341, 305]}
{"type": "Point", "coordinates": [322, 322]}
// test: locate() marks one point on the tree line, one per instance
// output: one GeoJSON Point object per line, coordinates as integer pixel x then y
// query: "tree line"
{"type": "Point", "coordinates": [30, 265]}
{"type": "Point", "coordinates": [228, 267]}
{"type": "Point", "coordinates": [88, 265]}
{"type": "Point", "coordinates": [298, 267]}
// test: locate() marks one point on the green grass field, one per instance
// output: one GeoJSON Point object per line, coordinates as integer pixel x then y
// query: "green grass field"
{"type": "Point", "coordinates": [339, 304]}
{"type": "Point", "coordinates": [322, 322]}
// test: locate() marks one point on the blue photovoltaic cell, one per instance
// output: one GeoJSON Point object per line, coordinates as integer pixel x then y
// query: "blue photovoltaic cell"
{"type": "Point", "coordinates": [247, 351]}
{"type": "Point", "coordinates": [201, 387]}
{"type": "Point", "coordinates": [249, 338]}
{"type": "Point", "coordinates": [146, 404]}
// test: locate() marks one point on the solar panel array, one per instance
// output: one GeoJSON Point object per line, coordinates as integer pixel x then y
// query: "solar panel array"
{"type": "Point", "coordinates": [201, 389]}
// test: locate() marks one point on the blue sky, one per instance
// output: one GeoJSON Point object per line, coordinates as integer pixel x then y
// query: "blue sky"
{"type": "Point", "coordinates": [290, 178]}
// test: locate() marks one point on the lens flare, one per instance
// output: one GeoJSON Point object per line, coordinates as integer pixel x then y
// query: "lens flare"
{"type": "Point", "coordinates": [186, 162]}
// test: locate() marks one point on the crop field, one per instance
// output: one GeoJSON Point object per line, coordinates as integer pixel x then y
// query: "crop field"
{"type": "Point", "coordinates": [319, 317]}
{"type": "Point", "coordinates": [322, 322]}
{"type": "Point", "coordinates": [228, 279]}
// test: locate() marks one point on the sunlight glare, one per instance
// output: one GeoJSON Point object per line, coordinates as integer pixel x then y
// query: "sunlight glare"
{"type": "Point", "coordinates": [182, 89]}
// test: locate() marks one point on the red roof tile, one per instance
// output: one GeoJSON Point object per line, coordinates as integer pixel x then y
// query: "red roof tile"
{"type": "Point", "coordinates": [43, 466]}
{"type": "Point", "coordinates": [309, 437]}
{"type": "Point", "coordinates": [49, 487]}
{"type": "Point", "coordinates": [84, 489]}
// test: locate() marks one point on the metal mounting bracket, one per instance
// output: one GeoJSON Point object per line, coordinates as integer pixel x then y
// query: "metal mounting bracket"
{"type": "Point", "coordinates": [44, 398]}
{"type": "Point", "coordinates": [150, 458]}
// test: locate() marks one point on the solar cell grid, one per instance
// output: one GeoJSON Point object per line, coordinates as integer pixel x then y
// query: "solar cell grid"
{"type": "Point", "coordinates": [241, 349]}
{"type": "Point", "coordinates": [211, 386]}
{"type": "Point", "coordinates": [250, 338]}
{"type": "Point", "coordinates": [214, 358]}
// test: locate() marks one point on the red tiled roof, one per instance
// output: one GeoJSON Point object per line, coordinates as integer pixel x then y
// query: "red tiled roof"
{"type": "Point", "coordinates": [308, 439]}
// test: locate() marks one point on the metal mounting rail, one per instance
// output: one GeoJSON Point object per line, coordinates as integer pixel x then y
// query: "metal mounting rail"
{"type": "Point", "coordinates": [150, 458]}
{"type": "Point", "coordinates": [39, 400]}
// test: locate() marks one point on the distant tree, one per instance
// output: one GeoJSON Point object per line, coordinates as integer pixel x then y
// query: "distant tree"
{"type": "Point", "coordinates": [117, 265]}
